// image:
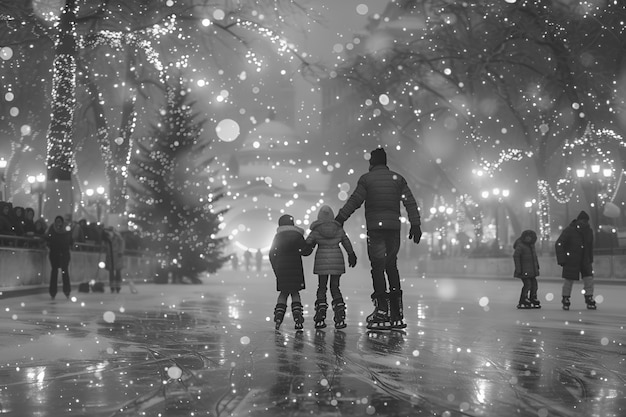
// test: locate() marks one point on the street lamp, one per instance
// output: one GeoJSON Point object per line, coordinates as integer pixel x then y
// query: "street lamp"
{"type": "Point", "coordinates": [3, 167]}
{"type": "Point", "coordinates": [595, 176]}
{"type": "Point", "coordinates": [96, 197]}
{"type": "Point", "coordinates": [498, 195]}
{"type": "Point", "coordinates": [38, 186]}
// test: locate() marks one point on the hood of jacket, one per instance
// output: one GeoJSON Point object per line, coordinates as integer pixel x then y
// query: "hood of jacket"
{"type": "Point", "coordinates": [326, 225]}
{"type": "Point", "coordinates": [289, 228]}
{"type": "Point", "coordinates": [522, 239]}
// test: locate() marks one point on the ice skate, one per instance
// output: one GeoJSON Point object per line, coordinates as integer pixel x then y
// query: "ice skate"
{"type": "Point", "coordinates": [591, 303]}
{"type": "Point", "coordinates": [566, 303]}
{"type": "Point", "coordinates": [396, 310]}
{"type": "Point", "coordinates": [380, 317]}
{"type": "Point", "coordinates": [534, 303]}
{"type": "Point", "coordinates": [298, 318]}
{"type": "Point", "coordinates": [339, 307]}
{"type": "Point", "coordinates": [320, 314]}
{"type": "Point", "coordinates": [524, 304]}
{"type": "Point", "coordinates": [279, 314]}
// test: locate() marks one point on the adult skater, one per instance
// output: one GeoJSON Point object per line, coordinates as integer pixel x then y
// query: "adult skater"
{"type": "Point", "coordinates": [574, 252]}
{"type": "Point", "coordinates": [382, 190]}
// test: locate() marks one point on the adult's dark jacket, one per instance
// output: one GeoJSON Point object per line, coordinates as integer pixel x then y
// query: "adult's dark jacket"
{"type": "Point", "coordinates": [382, 190]}
{"type": "Point", "coordinates": [574, 250]}
{"type": "Point", "coordinates": [59, 240]}
{"type": "Point", "coordinates": [286, 258]}
{"type": "Point", "coordinates": [525, 255]}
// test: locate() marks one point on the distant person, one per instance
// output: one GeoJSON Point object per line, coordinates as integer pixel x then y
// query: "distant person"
{"type": "Point", "coordinates": [286, 259]}
{"type": "Point", "coordinates": [18, 219]}
{"type": "Point", "coordinates": [327, 234]}
{"type": "Point", "coordinates": [234, 261]}
{"type": "Point", "coordinates": [259, 260]}
{"type": "Point", "coordinates": [59, 240]}
{"type": "Point", "coordinates": [382, 190]}
{"type": "Point", "coordinates": [114, 263]}
{"type": "Point", "coordinates": [527, 268]}
{"type": "Point", "coordinates": [29, 222]}
{"type": "Point", "coordinates": [247, 259]}
{"type": "Point", "coordinates": [574, 252]}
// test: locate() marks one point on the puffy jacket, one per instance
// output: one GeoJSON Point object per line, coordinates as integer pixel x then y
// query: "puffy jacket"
{"type": "Point", "coordinates": [327, 234]}
{"type": "Point", "coordinates": [574, 250]}
{"type": "Point", "coordinates": [286, 258]}
{"type": "Point", "coordinates": [525, 255]}
{"type": "Point", "coordinates": [382, 190]}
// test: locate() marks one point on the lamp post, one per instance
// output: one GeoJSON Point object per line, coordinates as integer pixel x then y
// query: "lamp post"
{"type": "Point", "coordinates": [594, 176]}
{"type": "Point", "coordinates": [499, 196]}
{"type": "Point", "coordinates": [3, 167]}
{"type": "Point", "coordinates": [96, 197]}
{"type": "Point", "coordinates": [38, 186]}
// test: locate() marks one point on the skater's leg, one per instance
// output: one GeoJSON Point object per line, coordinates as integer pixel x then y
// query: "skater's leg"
{"type": "Point", "coordinates": [534, 286]}
{"type": "Point", "coordinates": [588, 290]}
{"type": "Point", "coordinates": [320, 303]}
{"type": "Point", "coordinates": [524, 302]}
{"type": "Point", "coordinates": [280, 309]}
{"type": "Point", "coordinates": [296, 310]}
{"type": "Point", "coordinates": [566, 293]}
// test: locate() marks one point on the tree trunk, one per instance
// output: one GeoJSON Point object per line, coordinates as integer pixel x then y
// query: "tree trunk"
{"type": "Point", "coordinates": [60, 144]}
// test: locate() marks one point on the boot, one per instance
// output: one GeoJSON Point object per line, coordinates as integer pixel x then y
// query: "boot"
{"type": "Point", "coordinates": [565, 302]}
{"type": "Point", "coordinates": [298, 318]}
{"type": "Point", "coordinates": [396, 313]}
{"type": "Point", "coordinates": [279, 314]}
{"type": "Point", "coordinates": [320, 313]}
{"type": "Point", "coordinates": [339, 307]}
{"type": "Point", "coordinates": [524, 303]}
{"type": "Point", "coordinates": [591, 303]}
{"type": "Point", "coordinates": [380, 317]}
{"type": "Point", "coordinates": [534, 303]}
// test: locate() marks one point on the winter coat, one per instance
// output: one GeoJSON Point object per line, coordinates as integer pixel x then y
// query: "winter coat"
{"type": "Point", "coordinates": [525, 256]}
{"type": "Point", "coordinates": [327, 233]}
{"type": "Point", "coordinates": [574, 250]}
{"type": "Point", "coordinates": [382, 190]}
{"type": "Point", "coordinates": [59, 241]}
{"type": "Point", "coordinates": [115, 247]}
{"type": "Point", "coordinates": [286, 258]}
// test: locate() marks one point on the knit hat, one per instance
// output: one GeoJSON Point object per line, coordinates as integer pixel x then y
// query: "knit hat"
{"type": "Point", "coordinates": [582, 216]}
{"type": "Point", "coordinates": [378, 157]}
{"type": "Point", "coordinates": [285, 220]}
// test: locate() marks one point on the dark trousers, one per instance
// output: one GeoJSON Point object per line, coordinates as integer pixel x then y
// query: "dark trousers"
{"type": "Point", "coordinates": [115, 279]}
{"type": "Point", "coordinates": [382, 249]}
{"type": "Point", "coordinates": [322, 287]}
{"type": "Point", "coordinates": [529, 289]}
{"type": "Point", "coordinates": [62, 261]}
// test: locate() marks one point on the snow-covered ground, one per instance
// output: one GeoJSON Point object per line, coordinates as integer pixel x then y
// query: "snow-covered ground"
{"type": "Point", "coordinates": [211, 350]}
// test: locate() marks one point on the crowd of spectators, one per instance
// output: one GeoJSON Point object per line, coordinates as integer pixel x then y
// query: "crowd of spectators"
{"type": "Point", "coordinates": [18, 228]}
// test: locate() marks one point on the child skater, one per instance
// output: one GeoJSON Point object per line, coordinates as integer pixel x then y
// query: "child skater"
{"type": "Point", "coordinates": [527, 268]}
{"type": "Point", "coordinates": [286, 260]}
{"type": "Point", "coordinates": [327, 233]}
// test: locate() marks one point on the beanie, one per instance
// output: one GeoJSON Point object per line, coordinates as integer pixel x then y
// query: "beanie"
{"type": "Point", "coordinates": [378, 157]}
{"type": "Point", "coordinates": [582, 216]}
{"type": "Point", "coordinates": [285, 220]}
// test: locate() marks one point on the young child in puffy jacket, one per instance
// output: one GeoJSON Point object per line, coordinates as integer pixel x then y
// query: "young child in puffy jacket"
{"type": "Point", "coordinates": [326, 233]}
{"type": "Point", "coordinates": [286, 260]}
{"type": "Point", "coordinates": [527, 268]}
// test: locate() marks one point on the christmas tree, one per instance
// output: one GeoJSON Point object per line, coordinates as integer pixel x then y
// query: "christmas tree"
{"type": "Point", "coordinates": [172, 194]}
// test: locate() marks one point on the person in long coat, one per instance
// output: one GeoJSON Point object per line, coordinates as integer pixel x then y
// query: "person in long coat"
{"type": "Point", "coordinates": [527, 268]}
{"type": "Point", "coordinates": [59, 240]}
{"type": "Point", "coordinates": [114, 262]}
{"type": "Point", "coordinates": [327, 234]}
{"type": "Point", "coordinates": [574, 253]}
{"type": "Point", "coordinates": [286, 260]}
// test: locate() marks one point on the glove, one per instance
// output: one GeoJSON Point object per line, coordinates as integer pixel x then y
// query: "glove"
{"type": "Point", "coordinates": [352, 259]}
{"type": "Point", "coordinates": [415, 233]}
